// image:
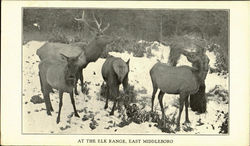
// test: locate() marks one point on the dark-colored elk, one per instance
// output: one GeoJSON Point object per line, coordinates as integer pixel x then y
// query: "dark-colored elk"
{"type": "Point", "coordinates": [197, 101]}
{"type": "Point", "coordinates": [95, 48]}
{"type": "Point", "coordinates": [60, 75]}
{"type": "Point", "coordinates": [182, 80]}
{"type": "Point", "coordinates": [115, 72]}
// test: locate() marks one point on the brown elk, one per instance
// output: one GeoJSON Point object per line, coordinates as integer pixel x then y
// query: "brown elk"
{"type": "Point", "coordinates": [95, 48]}
{"type": "Point", "coordinates": [115, 72]}
{"type": "Point", "coordinates": [182, 80]}
{"type": "Point", "coordinates": [60, 75]}
{"type": "Point", "coordinates": [197, 100]}
{"type": "Point", "coordinates": [92, 51]}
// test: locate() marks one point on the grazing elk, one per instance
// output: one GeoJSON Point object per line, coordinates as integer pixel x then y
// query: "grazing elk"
{"type": "Point", "coordinates": [182, 80]}
{"type": "Point", "coordinates": [92, 51]}
{"type": "Point", "coordinates": [114, 72]}
{"type": "Point", "coordinates": [196, 103]}
{"type": "Point", "coordinates": [60, 75]}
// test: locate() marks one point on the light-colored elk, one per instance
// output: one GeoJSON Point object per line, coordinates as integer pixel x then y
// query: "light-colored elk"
{"type": "Point", "coordinates": [60, 75]}
{"type": "Point", "coordinates": [182, 80]}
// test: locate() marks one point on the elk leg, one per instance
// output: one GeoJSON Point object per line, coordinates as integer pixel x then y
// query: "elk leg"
{"type": "Point", "coordinates": [186, 110]}
{"type": "Point", "coordinates": [77, 77]}
{"type": "Point", "coordinates": [113, 109]}
{"type": "Point", "coordinates": [60, 106]}
{"type": "Point", "coordinates": [73, 103]}
{"type": "Point", "coordinates": [81, 80]}
{"type": "Point", "coordinates": [107, 96]}
{"type": "Point", "coordinates": [47, 102]}
{"type": "Point", "coordinates": [160, 97]}
{"type": "Point", "coordinates": [181, 99]}
{"type": "Point", "coordinates": [114, 93]}
{"type": "Point", "coordinates": [106, 104]}
{"type": "Point", "coordinates": [153, 98]}
{"type": "Point", "coordinates": [46, 96]}
{"type": "Point", "coordinates": [41, 83]}
{"type": "Point", "coordinates": [50, 105]}
{"type": "Point", "coordinates": [125, 85]}
{"type": "Point", "coordinates": [76, 93]}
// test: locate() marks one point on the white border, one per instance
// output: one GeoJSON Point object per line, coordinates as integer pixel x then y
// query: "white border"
{"type": "Point", "coordinates": [11, 72]}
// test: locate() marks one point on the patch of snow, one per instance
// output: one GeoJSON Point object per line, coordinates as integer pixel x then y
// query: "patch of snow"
{"type": "Point", "coordinates": [35, 119]}
{"type": "Point", "coordinates": [212, 57]}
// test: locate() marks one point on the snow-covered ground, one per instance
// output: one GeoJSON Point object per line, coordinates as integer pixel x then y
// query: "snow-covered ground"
{"type": "Point", "coordinates": [91, 107]}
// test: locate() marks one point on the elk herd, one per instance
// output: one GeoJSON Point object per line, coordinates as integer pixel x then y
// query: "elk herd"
{"type": "Point", "coordinates": [61, 67]}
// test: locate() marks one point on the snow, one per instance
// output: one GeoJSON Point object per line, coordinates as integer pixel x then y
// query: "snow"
{"type": "Point", "coordinates": [35, 119]}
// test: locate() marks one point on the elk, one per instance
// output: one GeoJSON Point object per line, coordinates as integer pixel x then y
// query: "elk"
{"type": "Point", "coordinates": [92, 51]}
{"type": "Point", "coordinates": [196, 103]}
{"type": "Point", "coordinates": [115, 72]}
{"type": "Point", "coordinates": [182, 80]}
{"type": "Point", "coordinates": [60, 75]}
{"type": "Point", "coordinates": [95, 48]}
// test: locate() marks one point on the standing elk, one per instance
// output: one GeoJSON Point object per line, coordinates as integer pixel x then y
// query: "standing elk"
{"type": "Point", "coordinates": [182, 80]}
{"type": "Point", "coordinates": [60, 75]}
{"type": "Point", "coordinates": [92, 51]}
{"type": "Point", "coordinates": [95, 48]}
{"type": "Point", "coordinates": [115, 72]}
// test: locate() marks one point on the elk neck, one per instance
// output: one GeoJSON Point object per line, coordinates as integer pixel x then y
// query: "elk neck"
{"type": "Point", "coordinates": [199, 71]}
{"type": "Point", "coordinates": [95, 49]}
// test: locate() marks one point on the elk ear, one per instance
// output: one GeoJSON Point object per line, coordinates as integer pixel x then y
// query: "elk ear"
{"type": "Point", "coordinates": [64, 57]}
{"type": "Point", "coordinates": [128, 62]}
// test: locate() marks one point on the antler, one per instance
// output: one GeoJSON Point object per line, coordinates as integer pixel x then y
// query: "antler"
{"type": "Point", "coordinates": [81, 19]}
{"type": "Point", "coordinates": [98, 29]}
{"type": "Point", "coordinates": [96, 22]}
{"type": "Point", "coordinates": [100, 24]}
{"type": "Point", "coordinates": [105, 28]}
{"type": "Point", "coordinates": [84, 20]}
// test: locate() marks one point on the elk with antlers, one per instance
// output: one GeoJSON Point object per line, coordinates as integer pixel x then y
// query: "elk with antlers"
{"type": "Point", "coordinates": [92, 51]}
{"type": "Point", "coordinates": [95, 48]}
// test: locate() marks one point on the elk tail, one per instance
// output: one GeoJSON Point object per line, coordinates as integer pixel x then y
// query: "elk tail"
{"type": "Point", "coordinates": [121, 69]}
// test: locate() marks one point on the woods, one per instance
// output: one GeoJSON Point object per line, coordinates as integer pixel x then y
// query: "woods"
{"type": "Point", "coordinates": [141, 24]}
{"type": "Point", "coordinates": [59, 25]}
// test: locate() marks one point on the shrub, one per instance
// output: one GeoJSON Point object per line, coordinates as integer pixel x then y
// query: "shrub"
{"type": "Point", "coordinates": [85, 88]}
{"type": "Point", "coordinates": [130, 45]}
{"type": "Point", "coordinates": [57, 35]}
{"type": "Point", "coordinates": [222, 94]}
{"type": "Point", "coordinates": [125, 98]}
{"type": "Point", "coordinates": [60, 35]}
{"type": "Point", "coordinates": [138, 50]}
{"type": "Point", "coordinates": [36, 99]}
{"type": "Point", "coordinates": [221, 60]}
{"type": "Point", "coordinates": [136, 115]}
{"type": "Point", "coordinates": [224, 126]}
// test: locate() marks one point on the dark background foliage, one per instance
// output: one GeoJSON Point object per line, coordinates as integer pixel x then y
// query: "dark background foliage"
{"type": "Point", "coordinates": [130, 24]}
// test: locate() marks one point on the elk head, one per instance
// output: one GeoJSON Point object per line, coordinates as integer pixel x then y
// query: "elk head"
{"type": "Point", "coordinates": [70, 69]}
{"type": "Point", "coordinates": [100, 39]}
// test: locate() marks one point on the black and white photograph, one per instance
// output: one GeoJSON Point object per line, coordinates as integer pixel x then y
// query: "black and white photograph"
{"type": "Point", "coordinates": [125, 71]}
